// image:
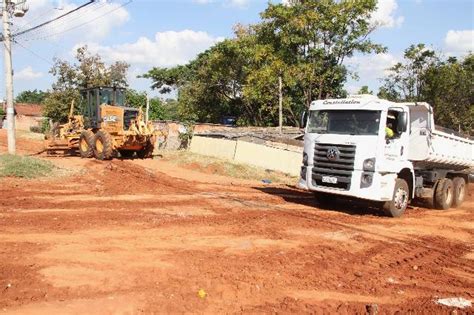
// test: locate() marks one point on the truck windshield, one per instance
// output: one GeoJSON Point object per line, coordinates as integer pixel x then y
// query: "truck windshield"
{"type": "Point", "coordinates": [346, 122]}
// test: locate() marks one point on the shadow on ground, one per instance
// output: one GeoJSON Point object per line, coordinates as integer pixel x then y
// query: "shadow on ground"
{"type": "Point", "coordinates": [338, 204]}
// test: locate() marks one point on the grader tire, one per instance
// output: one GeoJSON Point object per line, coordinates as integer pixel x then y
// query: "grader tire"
{"type": "Point", "coordinates": [103, 145]}
{"type": "Point", "coordinates": [147, 151]}
{"type": "Point", "coordinates": [86, 144]}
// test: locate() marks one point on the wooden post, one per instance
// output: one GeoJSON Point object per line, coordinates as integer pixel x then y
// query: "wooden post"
{"type": "Point", "coordinates": [280, 104]}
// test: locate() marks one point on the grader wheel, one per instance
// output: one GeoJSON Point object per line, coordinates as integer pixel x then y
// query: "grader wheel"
{"type": "Point", "coordinates": [86, 144]}
{"type": "Point", "coordinates": [104, 145]}
{"type": "Point", "coordinates": [147, 151]}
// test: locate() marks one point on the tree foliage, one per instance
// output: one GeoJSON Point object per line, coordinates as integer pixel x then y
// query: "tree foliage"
{"type": "Point", "coordinates": [137, 99]}
{"type": "Point", "coordinates": [305, 43]}
{"type": "Point", "coordinates": [88, 71]}
{"type": "Point", "coordinates": [31, 96]}
{"type": "Point", "coordinates": [446, 84]}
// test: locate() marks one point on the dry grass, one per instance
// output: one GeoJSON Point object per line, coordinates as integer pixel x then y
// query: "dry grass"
{"type": "Point", "coordinates": [227, 167]}
{"type": "Point", "coordinates": [24, 167]}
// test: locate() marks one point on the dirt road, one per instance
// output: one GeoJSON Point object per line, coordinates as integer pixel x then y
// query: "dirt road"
{"type": "Point", "coordinates": [127, 237]}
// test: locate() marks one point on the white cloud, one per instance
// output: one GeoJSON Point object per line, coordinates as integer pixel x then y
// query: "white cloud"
{"type": "Point", "coordinates": [166, 49]}
{"type": "Point", "coordinates": [92, 22]}
{"type": "Point", "coordinates": [228, 3]}
{"type": "Point", "coordinates": [28, 74]}
{"type": "Point", "coordinates": [459, 42]}
{"type": "Point", "coordinates": [385, 14]}
{"type": "Point", "coordinates": [371, 67]}
{"type": "Point", "coordinates": [239, 3]}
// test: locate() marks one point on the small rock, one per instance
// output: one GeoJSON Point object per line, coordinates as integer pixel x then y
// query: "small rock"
{"type": "Point", "coordinates": [415, 267]}
{"type": "Point", "coordinates": [391, 280]}
{"type": "Point", "coordinates": [372, 309]}
{"type": "Point", "coordinates": [358, 274]}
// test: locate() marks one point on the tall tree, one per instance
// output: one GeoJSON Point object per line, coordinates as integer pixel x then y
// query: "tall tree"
{"type": "Point", "coordinates": [88, 71]}
{"type": "Point", "coordinates": [406, 79]}
{"type": "Point", "coordinates": [446, 84]}
{"type": "Point", "coordinates": [315, 38]}
{"type": "Point", "coordinates": [31, 96]}
{"type": "Point", "coordinates": [305, 43]}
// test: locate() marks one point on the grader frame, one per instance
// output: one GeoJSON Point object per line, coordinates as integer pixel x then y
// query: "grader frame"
{"type": "Point", "coordinates": [105, 128]}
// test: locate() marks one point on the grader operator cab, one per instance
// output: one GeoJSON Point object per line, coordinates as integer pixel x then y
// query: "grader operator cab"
{"type": "Point", "coordinates": [105, 127]}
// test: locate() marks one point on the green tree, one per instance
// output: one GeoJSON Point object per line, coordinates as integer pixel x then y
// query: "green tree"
{"type": "Point", "coordinates": [406, 79]}
{"type": "Point", "coordinates": [446, 84]}
{"type": "Point", "coordinates": [31, 96]}
{"type": "Point", "coordinates": [137, 99]}
{"type": "Point", "coordinates": [365, 90]}
{"type": "Point", "coordinates": [304, 43]}
{"type": "Point", "coordinates": [88, 71]}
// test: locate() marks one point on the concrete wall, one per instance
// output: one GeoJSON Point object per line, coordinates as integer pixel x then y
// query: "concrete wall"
{"type": "Point", "coordinates": [277, 159]}
{"type": "Point", "coordinates": [220, 148]}
{"type": "Point", "coordinates": [267, 157]}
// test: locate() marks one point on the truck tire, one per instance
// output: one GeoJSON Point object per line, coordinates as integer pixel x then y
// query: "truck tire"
{"type": "Point", "coordinates": [444, 194]}
{"type": "Point", "coordinates": [459, 187]}
{"type": "Point", "coordinates": [86, 144]}
{"type": "Point", "coordinates": [103, 145]}
{"type": "Point", "coordinates": [401, 195]}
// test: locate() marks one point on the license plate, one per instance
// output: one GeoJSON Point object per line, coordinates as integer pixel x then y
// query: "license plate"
{"type": "Point", "coordinates": [329, 179]}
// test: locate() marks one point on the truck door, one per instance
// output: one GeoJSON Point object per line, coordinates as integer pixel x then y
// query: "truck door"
{"type": "Point", "coordinates": [396, 135]}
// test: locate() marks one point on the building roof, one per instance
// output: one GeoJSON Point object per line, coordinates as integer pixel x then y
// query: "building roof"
{"type": "Point", "coordinates": [26, 109]}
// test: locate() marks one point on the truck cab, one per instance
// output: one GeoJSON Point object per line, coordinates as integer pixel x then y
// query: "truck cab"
{"type": "Point", "coordinates": [368, 148]}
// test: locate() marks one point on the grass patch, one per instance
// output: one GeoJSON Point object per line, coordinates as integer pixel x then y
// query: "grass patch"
{"type": "Point", "coordinates": [24, 166]}
{"type": "Point", "coordinates": [212, 165]}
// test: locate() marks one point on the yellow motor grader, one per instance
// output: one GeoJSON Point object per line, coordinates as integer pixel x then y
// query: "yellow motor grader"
{"type": "Point", "coordinates": [105, 128]}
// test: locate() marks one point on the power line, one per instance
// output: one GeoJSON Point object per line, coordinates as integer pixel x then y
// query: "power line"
{"type": "Point", "coordinates": [87, 22]}
{"type": "Point", "coordinates": [33, 53]}
{"type": "Point", "coordinates": [65, 21]}
{"type": "Point", "coordinates": [55, 19]}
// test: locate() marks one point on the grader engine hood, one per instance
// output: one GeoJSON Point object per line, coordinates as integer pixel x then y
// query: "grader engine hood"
{"type": "Point", "coordinates": [111, 118]}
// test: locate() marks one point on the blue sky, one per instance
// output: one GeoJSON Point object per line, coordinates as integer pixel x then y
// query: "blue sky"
{"type": "Point", "coordinates": [165, 33]}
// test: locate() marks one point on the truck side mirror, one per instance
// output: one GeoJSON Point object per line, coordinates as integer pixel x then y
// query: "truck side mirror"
{"type": "Point", "coordinates": [303, 119]}
{"type": "Point", "coordinates": [402, 122]}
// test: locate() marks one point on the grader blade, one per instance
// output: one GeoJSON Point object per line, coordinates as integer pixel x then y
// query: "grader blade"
{"type": "Point", "coordinates": [59, 147]}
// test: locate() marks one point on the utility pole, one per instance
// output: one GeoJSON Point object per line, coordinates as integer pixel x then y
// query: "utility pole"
{"type": "Point", "coordinates": [18, 9]}
{"type": "Point", "coordinates": [147, 107]}
{"type": "Point", "coordinates": [280, 103]}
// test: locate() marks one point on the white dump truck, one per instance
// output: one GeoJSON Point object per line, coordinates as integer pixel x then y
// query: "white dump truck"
{"type": "Point", "coordinates": [373, 149]}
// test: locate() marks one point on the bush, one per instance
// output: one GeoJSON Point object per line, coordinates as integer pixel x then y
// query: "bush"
{"type": "Point", "coordinates": [35, 129]}
{"type": "Point", "coordinates": [24, 167]}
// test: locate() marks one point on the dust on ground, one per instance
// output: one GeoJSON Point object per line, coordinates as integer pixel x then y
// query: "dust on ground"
{"type": "Point", "coordinates": [145, 236]}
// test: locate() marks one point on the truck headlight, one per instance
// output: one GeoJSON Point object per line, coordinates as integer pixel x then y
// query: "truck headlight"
{"type": "Point", "coordinates": [369, 165]}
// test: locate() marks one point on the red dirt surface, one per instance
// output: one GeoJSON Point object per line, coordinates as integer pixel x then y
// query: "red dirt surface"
{"type": "Point", "coordinates": [144, 236]}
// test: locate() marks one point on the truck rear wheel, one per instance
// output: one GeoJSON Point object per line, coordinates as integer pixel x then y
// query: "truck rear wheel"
{"type": "Point", "coordinates": [444, 194]}
{"type": "Point", "coordinates": [86, 144]}
{"type": "Point", "coordinates": [401, 195]}
{"type": "Point", "coordinates": [459, 186]}
{"type": "Point", "coordinates": [104, 146]}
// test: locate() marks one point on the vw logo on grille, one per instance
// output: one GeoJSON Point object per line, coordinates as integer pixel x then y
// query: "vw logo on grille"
{"type": "Point", "coordinates": [333, 153]}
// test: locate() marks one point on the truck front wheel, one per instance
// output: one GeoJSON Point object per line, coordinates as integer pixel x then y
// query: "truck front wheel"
{"type": "Point", "coordinates": [459, 186]}
{"type": "Point", "coordinates": [397, 206]}
{"type": "Point", "coordinates": [444, 194]}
